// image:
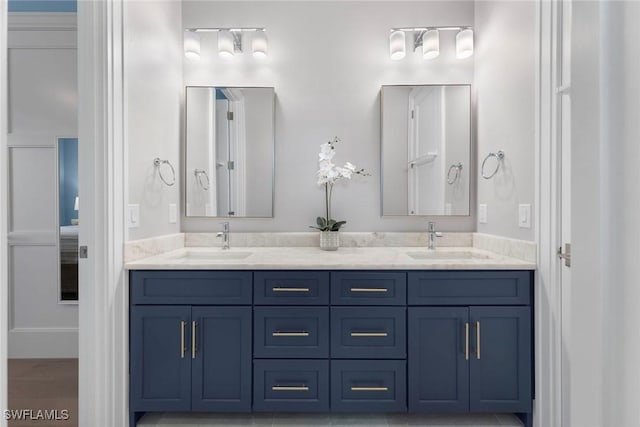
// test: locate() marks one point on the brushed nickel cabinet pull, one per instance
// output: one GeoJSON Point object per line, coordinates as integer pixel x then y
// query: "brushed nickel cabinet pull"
{"type": "Point", "coordinates": [369, 290]}
{"type": "Point", "coordinates": [290, 388]}
{"type": "Point", "coordinates": [193, 339]}
{"type": "Point", "coordinates": [290, 334]}
{"type": "Point", "coordinates": [182, 348]}
{"type": "Point", "coordinates": [466, 341]}
{"type": "Point", "coordinates": [369, 334]}
{"type": "Point", "coordinates": [369, 389]}
{"type": "Point", "coordinates": [478, 339]}
{"type": "Point", "coordinates": [282, 289]}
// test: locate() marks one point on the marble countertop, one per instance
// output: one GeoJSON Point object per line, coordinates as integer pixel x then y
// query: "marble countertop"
{"type": "Point", "coordinates": [345, 258]}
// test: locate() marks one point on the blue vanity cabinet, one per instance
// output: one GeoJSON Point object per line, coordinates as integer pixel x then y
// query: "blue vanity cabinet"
{"type": "Point", "coordinates": [160, 359]}
{"type": "Point", "coordinates": [470, 346]}
{"type": "Point", "coordinates": [221, 359]}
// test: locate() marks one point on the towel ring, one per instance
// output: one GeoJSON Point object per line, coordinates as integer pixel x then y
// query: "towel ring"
{"type": "Point", "coordinates": [458, 168]}
{"type": "Point", "coordinates": [199, 173]}
{"type": "Point", "coordinates": [158, 163]}
{"type": "Point", "coordinates": [499, 155]}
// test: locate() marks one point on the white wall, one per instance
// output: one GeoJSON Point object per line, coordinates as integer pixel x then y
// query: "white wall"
{"type": "Point", "coordinates": [327, 61]}
{"type": "Point", "coordinates": [457, 131]}
{"type": "Point", "coordinates": [153, 94]}
{"type": "Point", "coordinates": [505, 64]}
{"type": "Point", "coordinates": [620, 150]}
{"type": "Point", "coordinates": [42, 65]}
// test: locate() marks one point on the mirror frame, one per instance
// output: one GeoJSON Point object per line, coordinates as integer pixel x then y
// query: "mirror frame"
{"type": "Point", "coordinates": [273, 155]}
{"type": "Point", "coordinates": [472, 185]}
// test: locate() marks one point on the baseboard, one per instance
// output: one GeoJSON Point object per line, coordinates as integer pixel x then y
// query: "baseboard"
{"type": "Point", "coordinates": [43, 343]}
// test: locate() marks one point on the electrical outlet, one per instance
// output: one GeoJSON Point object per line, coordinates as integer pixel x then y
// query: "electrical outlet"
{"type": "Point", "coordinates": [133, 216]}
{"type": "Point", "coordinates": [173, 213]}
{"type": "Point", "coordinates": [482, 214]}
{"type": "Point", "coordinates": [524, 216]}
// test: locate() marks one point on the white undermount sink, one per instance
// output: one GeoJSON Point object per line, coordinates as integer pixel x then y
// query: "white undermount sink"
{"type": "Point", "coordinates": [217, 255]}
{"type": "Point", "coordinates": [446, 255]}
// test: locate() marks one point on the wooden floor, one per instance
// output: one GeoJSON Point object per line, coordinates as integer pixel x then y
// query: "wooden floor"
{"type": "Point", "coordinates": [44, 384]}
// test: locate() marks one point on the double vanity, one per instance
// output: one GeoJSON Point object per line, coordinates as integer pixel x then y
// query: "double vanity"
{"type": "Point", "coordinates": [364, 329]}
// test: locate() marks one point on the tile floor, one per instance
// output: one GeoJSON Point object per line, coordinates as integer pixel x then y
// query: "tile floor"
{"type": "Point", "coordinates": [312, 420]}
{"type": "Point", "coordinates": [53, 384]}
{"type": "Point", "coordinates": [46, 384]}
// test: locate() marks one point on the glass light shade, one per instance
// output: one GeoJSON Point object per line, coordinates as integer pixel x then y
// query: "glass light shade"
{"type": "Point", "coordinates": [464, 43]}
{"type": "Point", "coordinates": [397, 45]}
{"type": "Point", "coordinates": [225, 43]}
{"type": "Point", "coordinates": [259, 43]}
{"type": "Point", "coordinates": [431, 44]}
{"type": "Point", "coordinates": [192, 45]}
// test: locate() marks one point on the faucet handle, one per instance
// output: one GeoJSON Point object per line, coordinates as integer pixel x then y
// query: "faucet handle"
{"type": "Point", "coordinates": [432, 227]}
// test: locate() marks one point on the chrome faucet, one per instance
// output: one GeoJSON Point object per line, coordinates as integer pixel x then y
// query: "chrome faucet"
{"type": "Point", "coordinates": [432, 235]}
{"type": "Point", "coordinates": [225, 235]}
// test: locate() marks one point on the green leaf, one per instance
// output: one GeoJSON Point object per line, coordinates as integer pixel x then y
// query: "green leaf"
{"type": "Point", "coordinates": [322, 223]}
{"type": "Point", "coordinates": [336, 226]}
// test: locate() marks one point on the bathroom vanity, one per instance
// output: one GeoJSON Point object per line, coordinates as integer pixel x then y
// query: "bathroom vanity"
{"type": "Point", "coordinates": [405, 335]}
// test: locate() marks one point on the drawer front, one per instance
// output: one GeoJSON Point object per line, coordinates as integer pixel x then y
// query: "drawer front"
{"type": "Point", "coordinates": [191, 287]}
{"type": "Point", "coordinates": [470, 287]}
{"type": "Point", "coordinates": [368, 386]}
{"type": "Point", "coordinates": [291, 385]}
{"type": "Point", "coordinates": [368, 288]}
{"type": "Point", "coordinates": [291, 332]}
{"type": "Point", "coordinates": [368, 333]}
{"type": "Point", "coordinates": [291, 288]}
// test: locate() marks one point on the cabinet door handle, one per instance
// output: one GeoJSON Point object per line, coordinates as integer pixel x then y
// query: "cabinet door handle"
{"type": "Point", "coordinates": [369, 389]}
{"type": "Point", "coordinates": [466, 341]}
{"type": "Point", "coordinates": [182, 348]}
{"type": "Point", "coordinates": [282, 289]}
{"type": "Point", "coordinates": [193, 339]}
{"type": "Point", "coordinates": [290, 334]}
{"type": "Point", "coordinates": [369, 334]}
{"type": "Point", "coordinates": [290, 388]}
{"type": "Point", "coordinates": [478, 339]}
{"type": "Point", "coordinates": [369, 290]}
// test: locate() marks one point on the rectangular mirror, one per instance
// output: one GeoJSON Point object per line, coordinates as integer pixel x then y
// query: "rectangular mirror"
{"type": "Point", "coordinates": [68, 218]}
{"type": "Point", "coordinates": [229, 151]}
{"type": "Point", "coordinates": [426, 149]}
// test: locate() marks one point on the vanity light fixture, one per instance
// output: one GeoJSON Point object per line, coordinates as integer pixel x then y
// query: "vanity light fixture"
{"type": "Point", "coordinates": [259, 44]}
{"type": "Point", "coordinates": [192, 45]}
{"type": "Point", "coordinates": [397, 45]}
{"type": "Point", "coordinates": [428, 38]}
{"type": "Point", "coordinates": [431, 44]}
{"type": "Point", "coordinates": [229, 41]}
{"type": "Point", "coordinates": [464, 43]}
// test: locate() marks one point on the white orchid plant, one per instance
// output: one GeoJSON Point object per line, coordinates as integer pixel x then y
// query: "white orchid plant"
{"type": "Point", "coordinates": [328, 175]}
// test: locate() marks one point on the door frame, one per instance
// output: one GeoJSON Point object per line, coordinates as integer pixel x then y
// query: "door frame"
{"type": "Point", "coordinates": [4, 245]}
{"type": "Point", "coordinates": [547, 289]}
{"type": "Point", "coordinates": [103, 314]}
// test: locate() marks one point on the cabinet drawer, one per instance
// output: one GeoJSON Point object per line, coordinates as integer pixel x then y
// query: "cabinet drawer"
{"type": "Point", "coordinates": [291, 385]}
{"type": "Point", "coordinates": [368, 386]}
{"type": "Point", "coordinates": [191, 287]}
{"type": "Point", "coordinates": [291, 288]}
{"type": "Point", "coordinates": [470, 288]}
{"type": "Point", "coordinates": [368, 288]}
{"type": "Point", "coordinates": [368, 333]}
{"type": "Point", "coordinates": [291, 332]}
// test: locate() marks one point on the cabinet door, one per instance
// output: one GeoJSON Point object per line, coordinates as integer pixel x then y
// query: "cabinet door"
{"type": "Point", "coordinates": [221, 365]}
{"type": "Point", "coordinates": [160, 364]}
{"type": "Point", "coordinates": [438, 369]}
{"type": "Point", "coordinates": [501, 359]}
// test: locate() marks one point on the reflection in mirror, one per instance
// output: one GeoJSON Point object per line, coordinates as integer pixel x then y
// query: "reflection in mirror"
{"type": "Point", "coordinates": [229, 151]}
{"type": "Point", "coordinates": [68, 217]}
{"type": "Point", "coordinates": [426, 149]}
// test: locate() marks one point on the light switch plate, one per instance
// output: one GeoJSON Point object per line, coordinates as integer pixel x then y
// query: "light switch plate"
{"type": "Point", "coordinates": [482, 214]}
{"type": "Point", "coordinates": [173, 213]}
{"type": "Point", "coordinates": [133, 216]}
{"type": "Point", "coordinates": [524, 216]}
